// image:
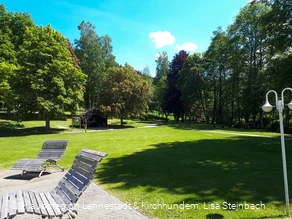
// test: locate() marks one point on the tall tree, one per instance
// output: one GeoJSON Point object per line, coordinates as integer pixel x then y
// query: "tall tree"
{"type": "Point", "coordinates": [253, 42]}
{"type": "Point", "coordinates": [8, 67]}
{"type": "Point", "coordinates": [157, 103]}
{"type": "Point", "coordinates": [75, 60]}
{"type": "Point", "coordinates": [126, 93]}
{"type": "Point", "coordinates": [194, 86]}
{"type": "Point", "coordinates": [278, 27]}
{"type": "Point", "coordinates": [162, 66]}
{"type": "Point", "coordinates": [236, 68]}
{"type": "Point", "coordinates": [146, 71]}
{"type": "Point", "coordinates": [107, 56]}
{"type": "Point", "coordinates": [278, 22]}
{"type": "Point", "coordinates": [12, 29]}
{"type": "Point", "coordinates": [172, 98]}
{"type": "Point", "coordinates": [95, 57]}
{"type": "Point", "coordinates": [8, 60]}
{"type": "Point", "coordinates": [159, 83]}
{"type": "Point", "coordinates": [47, 81]}
{"type": "Point", "coordinates": [216, 56]}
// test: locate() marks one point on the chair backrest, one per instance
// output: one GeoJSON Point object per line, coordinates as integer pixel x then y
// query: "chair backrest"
{"type": "Point", "coordinates": [53, 149]}
{"type": "Point", "coordinates": [77, 179]}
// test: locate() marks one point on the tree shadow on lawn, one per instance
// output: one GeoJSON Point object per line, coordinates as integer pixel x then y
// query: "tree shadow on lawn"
{"type": "Point", "coordinates": [210, 127]}
{"type": "Point", "coordinates": [236, 169]}
{"type": "Point", "coordinates": [11, 129]}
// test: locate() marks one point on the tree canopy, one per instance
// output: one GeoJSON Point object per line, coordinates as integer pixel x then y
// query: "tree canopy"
{"type": "Point", "coordinates": [172, 97]}
{"type": "Point", "coordinates": [126, 94]}
{"type": "Point", "coordinates": [95, 56]}
{"type": "Point", "coordinates": [37, 70]}
{"type": "Point", "coordinates": [47, 81]}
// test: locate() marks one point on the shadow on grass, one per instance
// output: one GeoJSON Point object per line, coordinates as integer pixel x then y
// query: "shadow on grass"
{"type": "Point", "coordinates": [9, 129]}
{"type": "Point", "coordinates": [200, 126]}
{"type": "Point", "coordinates": [10, 125]}
{"type": "Point", "coordinates": [113, 126]}
{"type": "Point", "coordinates": [214, 216]}
{"type": "Point", "coordinates": [236, 169]}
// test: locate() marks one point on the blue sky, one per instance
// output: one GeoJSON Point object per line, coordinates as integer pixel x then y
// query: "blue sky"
{"type": "Point", "coordinates": [139, 29]}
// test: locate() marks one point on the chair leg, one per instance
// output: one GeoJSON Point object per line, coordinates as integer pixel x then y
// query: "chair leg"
{"type": "Point", "coordinates": [62, 168]}
{"type": "Point", "coordinates": [44, 168]}
{"type": "Point", "coordinates": [72, 214]}
{"type": "Point", "coordinates": [23, 172]}
{"type": "Point", "coordinates": [53, 162]}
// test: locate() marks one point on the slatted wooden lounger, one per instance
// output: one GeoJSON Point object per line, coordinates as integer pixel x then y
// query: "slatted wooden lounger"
{"type": "Point", "coordinates": [61, 199]}
{"type": "Point", "coordinates": [51, 152]}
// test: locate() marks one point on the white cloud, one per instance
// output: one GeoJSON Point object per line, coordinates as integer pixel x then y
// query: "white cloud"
{"type": "Point", "coordinates": [188, 46]}
{"type": "Point", "coordinates": [162, 38]}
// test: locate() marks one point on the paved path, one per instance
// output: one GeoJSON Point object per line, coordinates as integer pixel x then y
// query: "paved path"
{"type": "Point", "coordinates": [95, 203]}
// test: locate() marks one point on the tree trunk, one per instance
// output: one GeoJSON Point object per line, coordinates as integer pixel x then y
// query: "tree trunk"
{"type": "Point", "coordinates": [47, 123]}
{"type": "Point", "coordinates": [89, 102]}
{"type": "Point", "coordinates": [220, 104]}
{"type": "Point", "coordinates": [166, 116]}
{"type": "Point", "coordinates": [176, 117]}
{"type": "Point", "coordinates": [8, 111]}
{"type": "Point", "coordinates": [261, 120]}
{"type": "Point", "coordinates": [86, 100]}
{"type": "Point", "coordinates": [238, 103]}
{"type": "Point", "coordinates": [122, 121]}
{"type": "Point", "coordinates": [214, 103]}
{"type": "Point", "coordinates": [232, 104]}
{"type": "Point", "coordinates": [183, 116]}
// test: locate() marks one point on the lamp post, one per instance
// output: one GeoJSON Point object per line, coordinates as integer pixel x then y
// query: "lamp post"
{"type": "Point", "coordinates": [267, 107]}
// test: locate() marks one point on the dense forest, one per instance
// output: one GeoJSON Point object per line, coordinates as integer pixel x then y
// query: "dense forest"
{"type": "Point", "coordinates": [227, 84]}
{"type": "Point", "coordinates": [43, 72]}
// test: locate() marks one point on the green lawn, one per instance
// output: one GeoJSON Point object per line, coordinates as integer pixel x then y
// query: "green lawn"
{"type": "Point", "coordinates": [36, 127]}
{"type": "Point", "coordinates": [177, 166]}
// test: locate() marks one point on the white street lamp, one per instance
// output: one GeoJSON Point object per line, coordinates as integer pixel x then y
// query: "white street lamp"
{"type": "Point", "coordinates": [267, 107]}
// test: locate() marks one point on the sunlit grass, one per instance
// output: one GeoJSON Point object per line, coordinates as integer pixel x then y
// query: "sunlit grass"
{"type": "Point", "coordinates": [55, 124]}
{"type": "Point", "coordinates": [177, 164]}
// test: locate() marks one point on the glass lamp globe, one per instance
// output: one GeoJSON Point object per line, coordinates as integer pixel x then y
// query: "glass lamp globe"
{"type": "Point", "coordinates": [290, 105]}
{"type": "Point", "coordinates": [267, 107]}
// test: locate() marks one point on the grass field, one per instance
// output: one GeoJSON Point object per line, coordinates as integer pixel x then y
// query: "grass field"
{"type": "Point", "coordinates": [167, 169]}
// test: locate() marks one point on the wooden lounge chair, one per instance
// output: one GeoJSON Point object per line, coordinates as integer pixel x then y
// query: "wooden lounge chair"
{"type": "Point", "coordinates": [51, 152]}
{"type": "Point", "coordinates": [61, 199]}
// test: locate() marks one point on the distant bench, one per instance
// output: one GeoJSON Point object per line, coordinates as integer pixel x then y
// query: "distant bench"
{"type": "Point", "coordinates": [246, 125]}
